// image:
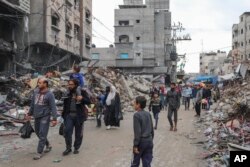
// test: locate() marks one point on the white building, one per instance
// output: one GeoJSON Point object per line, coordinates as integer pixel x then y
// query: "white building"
{"type": "Point", "coordinates": [215, 63]}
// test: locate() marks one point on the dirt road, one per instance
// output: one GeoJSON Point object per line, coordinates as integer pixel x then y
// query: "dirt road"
{"type": "Point", "coordinates": [110, 148]}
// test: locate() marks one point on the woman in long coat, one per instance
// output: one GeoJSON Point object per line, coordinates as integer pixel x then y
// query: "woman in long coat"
{"type": "Point", "coordinates": [113, 113]}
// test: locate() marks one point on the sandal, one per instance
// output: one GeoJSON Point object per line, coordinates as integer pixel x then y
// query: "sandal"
{"type": "Point", "coordinates": [37, 156]}
{"type": "Point", "coordinates": [48, 149]}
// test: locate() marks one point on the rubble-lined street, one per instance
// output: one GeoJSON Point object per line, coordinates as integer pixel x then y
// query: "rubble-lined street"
{"type": "Point", "coordinates": [112, 148]}
{"type": "Point", "coordinates": [124, 83]}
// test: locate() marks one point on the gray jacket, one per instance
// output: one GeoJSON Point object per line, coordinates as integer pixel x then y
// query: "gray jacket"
{"type": "Point", "coordinates": [173, 99]}
{"type": "Point", "coordinates": [143, 127]}
{"type": "Point", "coordinates": [199, 96]}
{"type": "Point", "coordinates": [43, 104]}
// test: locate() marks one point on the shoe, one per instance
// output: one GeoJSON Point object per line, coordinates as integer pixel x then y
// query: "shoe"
{"type": "Point", "coordinates": [196, 115]}
{"type": "Point", "coordinates": [155, 128]}
{"type": "Point", "coordinates": [66, 152]}
{"type": "Point", "coordinates": [76, 152]}
{"type": "Point", "coordinates": [171, 129]}
{"type": "Point", "coordinates": [175, 129]}
{"type": "Point", "coordinates": [37, 156]}
{"type": "Point", "coordinates": [108, 127]}
{"type": "Point", "coordinates": [48, 149]}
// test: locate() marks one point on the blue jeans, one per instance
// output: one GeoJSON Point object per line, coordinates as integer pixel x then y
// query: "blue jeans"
{"type": "Point", "coordinates": [145, 153]}
{"type": "Point", "coordinates": [42, 129]}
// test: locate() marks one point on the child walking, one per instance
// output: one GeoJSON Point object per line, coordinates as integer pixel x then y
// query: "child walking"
{"type": "Point", "coordinates": [143, 134]}
{"type": "Point", "coordinates": [155, 106]}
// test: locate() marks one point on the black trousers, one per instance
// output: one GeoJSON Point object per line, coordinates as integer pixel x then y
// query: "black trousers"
{"type": "Point", "coordinates": [71, 123]}
{"type": "Point", "coordinates": [198, 108]}
{"type": "Point", "coordinates": [145, 153]}
{"type": "Point", "coordinates": [172, 111]}
{"type": "Point", "coordinates": [187, 103]}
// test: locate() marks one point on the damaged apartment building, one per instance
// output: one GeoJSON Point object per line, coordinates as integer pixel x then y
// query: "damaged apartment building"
{"type": "Point", "coordinates": [142, 39]}
{"type": "Point", "coordinates": [60, 33]}
{"type": "Point", "coordinates": [13, 28]}
{"type": "Point", "coordinates": [42, 35]}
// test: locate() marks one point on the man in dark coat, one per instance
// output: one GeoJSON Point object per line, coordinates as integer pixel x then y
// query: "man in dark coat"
{"type": "Point", "coordinates": [173, 100]}
{"type": "Point", "coordinates": [74, 116]}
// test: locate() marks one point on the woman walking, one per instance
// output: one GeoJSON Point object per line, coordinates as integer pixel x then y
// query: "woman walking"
{"type": "Point", "coordinates": [113, 109]}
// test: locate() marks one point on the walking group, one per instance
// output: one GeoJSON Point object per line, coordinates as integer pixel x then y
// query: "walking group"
{"type": "Point", "coordinates": [108, 103]}
{"type": "Point", "coordinates": [74, 113]}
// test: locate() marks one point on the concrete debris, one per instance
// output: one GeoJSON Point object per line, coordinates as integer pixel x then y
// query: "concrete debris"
{"type": "Point", "coordinates": [128, 86]}
{"type": "Point", "coordinates": [227, 125]}
{"type": "Point", "coordinates": [15, 93]}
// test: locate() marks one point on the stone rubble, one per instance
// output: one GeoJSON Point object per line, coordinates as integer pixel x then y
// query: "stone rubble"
{"type": "Point", "coordinates": [227, 125]}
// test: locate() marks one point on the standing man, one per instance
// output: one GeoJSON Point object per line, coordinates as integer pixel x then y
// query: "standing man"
{"type": "Point", "coordinates": [198, 100]}
{"type": "Point", "coordinates": [173, 100]}
{"type": "Point", "coordinates": [187, 94]}
{"type": "Point", "coordinates": [42, 108]}
{"type": "Point", "coordinates": [143, 134]}
{"type": "Point", "coordinates": [74, 116]}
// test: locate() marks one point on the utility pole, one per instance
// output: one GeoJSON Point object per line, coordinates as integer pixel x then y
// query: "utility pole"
{"type": "Point", "coordinates": [81, 28]}
{"type": "Point", "coordinates": [175, 38]}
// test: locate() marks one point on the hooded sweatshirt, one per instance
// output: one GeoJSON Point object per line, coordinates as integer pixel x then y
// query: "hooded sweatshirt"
{"type": "Point", "coordinates": [43, 104]}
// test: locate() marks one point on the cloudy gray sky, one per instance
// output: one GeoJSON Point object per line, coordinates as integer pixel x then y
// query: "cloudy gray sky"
{"type": "Point", "coordinates": [207, 21]}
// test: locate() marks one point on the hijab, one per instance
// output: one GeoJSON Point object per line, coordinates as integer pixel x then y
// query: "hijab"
{"type": "Point", "coordinates": [111, 95]}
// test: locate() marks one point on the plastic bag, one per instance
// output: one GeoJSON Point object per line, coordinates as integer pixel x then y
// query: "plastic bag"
{"type": "Point", "coordinates": [61, 129]}
{"type": "Point", "coordinates": [26, 130]}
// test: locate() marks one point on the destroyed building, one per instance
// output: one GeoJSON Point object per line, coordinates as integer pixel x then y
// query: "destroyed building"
{"type": "Point", "coordinates": [44, 35]}
{"type": "Point", "coordinates": [60, 33]}
{"type": "Point", "coordinates": [13, 25]}
{"type": "Point", "coordinates": [142, 39]}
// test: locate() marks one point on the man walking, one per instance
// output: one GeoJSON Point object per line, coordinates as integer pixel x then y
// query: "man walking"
{"type": "Point", "coordinates": [74, 116]}
{"type": "Point", "coordinates": [42, 107]}
{"type": "Point", "coordinates": [198, 100]}
{"type": "Point", "coordinates": [143, 134]}
{"type": "Point", "coordinates": [173, 100]}
{"type": "Point", "coordinates": [187, 94]}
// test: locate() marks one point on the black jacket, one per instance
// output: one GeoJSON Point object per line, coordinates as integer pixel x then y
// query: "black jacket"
{"type": "Point", "coordinates": [81, 113]}
{"type": "Point", "coordinates": [173, 99]}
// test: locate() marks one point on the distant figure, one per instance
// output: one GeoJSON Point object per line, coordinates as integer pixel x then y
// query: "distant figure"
{"type": "Point", "coordinates": [154, 90]}
{"type": "Point", "coordinates": [42, 108]}
{"type": "Point", "coordinates": [198, 101]}
{"type": "Point", "coordinates": [143, 134]}
{"type": "Point", "coordinates": [187, 94]}
{"type": "Point", "coordinates": [99, 110]}
{"type": "Point", "coordinates": [76, 75]}
{"type": "Point", "coordinates": [173, 100]}
{"type": "Point", "coordinates": [155, 106]}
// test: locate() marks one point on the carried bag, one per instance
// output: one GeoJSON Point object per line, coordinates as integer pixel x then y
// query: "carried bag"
{"type": "Point", "coordinates": [26, 130]}
{"type": "Point", "coordinates": [120, 116]}
{"type": "Point", "coordinates": [85, 112]}
{"type": "Point", "coordinates": [61, 129]}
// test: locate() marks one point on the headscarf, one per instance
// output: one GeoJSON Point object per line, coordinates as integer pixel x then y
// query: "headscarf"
{"type": "Point", "coordinates": [111, 95]}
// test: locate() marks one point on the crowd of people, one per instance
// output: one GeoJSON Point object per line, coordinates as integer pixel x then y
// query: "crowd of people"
{"type": "Point", "coordinates": [107, 102]}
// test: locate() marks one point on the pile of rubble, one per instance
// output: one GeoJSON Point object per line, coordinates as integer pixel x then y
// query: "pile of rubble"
{"type": "Point", "coordinates": [227, 126]}
{"type": "Point", "coordinates": [127, 86]}
{"type": "Point", "coordinates": [15, 93]}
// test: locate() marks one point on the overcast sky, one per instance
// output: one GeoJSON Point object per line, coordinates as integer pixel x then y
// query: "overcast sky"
{"type": "Point", "coordinates": [207, 21]}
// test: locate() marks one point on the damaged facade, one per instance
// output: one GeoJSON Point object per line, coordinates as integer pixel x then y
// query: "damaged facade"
{"type": "Point", "coordinates": [13, 24]}
{"type": "Point", "coordinates": [142, 39]}
{"type": "Point", "coordinates": [44, 35]}
{"type": "Point", "coordinates": [241, 39]}
{"type": "Point", "coordinates": [60, 34]}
